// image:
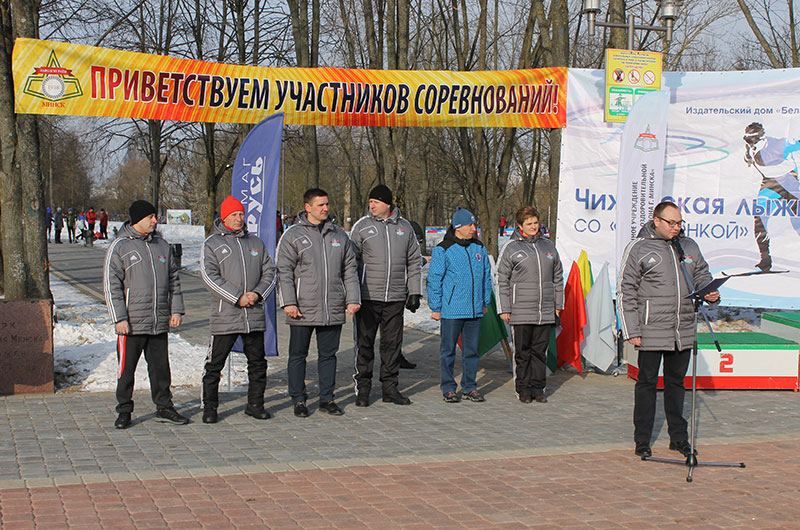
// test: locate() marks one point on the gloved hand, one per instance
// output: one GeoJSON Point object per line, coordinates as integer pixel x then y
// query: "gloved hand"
{"type": "Point", "coordinates": [412, 304]}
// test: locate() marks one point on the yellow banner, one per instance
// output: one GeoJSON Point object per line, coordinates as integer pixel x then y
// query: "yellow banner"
{"type": "Point", "coordinates": [75, 80]}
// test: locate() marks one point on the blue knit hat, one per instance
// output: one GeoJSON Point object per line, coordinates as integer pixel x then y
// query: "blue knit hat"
{"type": "Point", "coordinates": [462, 217]}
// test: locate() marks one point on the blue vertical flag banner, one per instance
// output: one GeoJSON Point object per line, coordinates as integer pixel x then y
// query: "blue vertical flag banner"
{"type": "Point", "coordinates": [255, 183]}
{"type": "Point", "coordinates": [641, 166]}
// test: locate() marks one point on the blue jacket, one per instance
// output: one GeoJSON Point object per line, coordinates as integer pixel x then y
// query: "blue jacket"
{"type": "Point", "coordinates": [459, 278]}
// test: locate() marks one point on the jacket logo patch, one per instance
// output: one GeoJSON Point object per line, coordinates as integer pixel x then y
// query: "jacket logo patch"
{"type": "Point", "coordinates": [478, 256]}
{"type": "Point", "coordinates": [225, 251]}
{"type": "Point", "coordinates": [399, 231]}
{"type": "Point", "coordinates": [134, 257]}
{"type": "Point", "coordinates": [651, 261]}
{"type": "Point", "coordinates": [688, 259]}
{"type": "Point", "coordinates": [162, 259]}
{"type": "Point", "coordinates": [254, 252]}
{"type": "Point", "coordinates": [549, 255]}
{"type": "Point", "coordinates": [336, 243]}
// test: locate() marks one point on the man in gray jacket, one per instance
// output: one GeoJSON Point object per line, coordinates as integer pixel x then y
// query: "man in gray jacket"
{"type": "Point", "coordinates": [659, 321]}
{"type": "Point", "coordinates": [391, 270]}
{"type": "Point", "coordinates": [240, 276]}
{"type": "Point", "coordinates": [317, 282]}
{"type": "Point", "coordinates": [143, 296]}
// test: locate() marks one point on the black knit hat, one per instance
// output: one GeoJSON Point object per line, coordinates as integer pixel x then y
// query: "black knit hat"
{"type": "Point", "coordinates": [139, 210]}
{"type": "Point", "coordinates": [381, 193]}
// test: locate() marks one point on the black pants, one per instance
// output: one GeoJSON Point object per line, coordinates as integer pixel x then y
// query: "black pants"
{"type": "Point", "coordinates": [218, 352]}
{"type": "Point", "coordinates": [58, 235]}
{"type": "Point", "coordinates": [389, 317]}
{"type": "Point", "coordinates": [91, 228]}
{"type": "Point", "coordinates": [104, 231]}
{"type": "Point", "coordinates": [327, 346]}
{"type": "Point", "coordinates": [71, 233]}
{"type": "Point", "coordinates": [530, 358]}
{"type": "Point", "coordinates": [129, 349]}
{"type": "Point", "coordinates": [644, 409]}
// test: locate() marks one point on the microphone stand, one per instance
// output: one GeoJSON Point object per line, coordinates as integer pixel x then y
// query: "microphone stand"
{"type": "Point", "coordinates": [691, 460]}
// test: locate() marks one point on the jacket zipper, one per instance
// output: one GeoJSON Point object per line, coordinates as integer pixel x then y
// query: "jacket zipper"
{"type": "Point", "coordinates": [244, 283]}
{"type": "Point", "coordinates": [325, 275]}
{"type": "Point", "coordinates": [678, 297]}
{"type": "Point", "coordinates": [472, 275]}
{"type": "Point", "coordinates": [155, 289]}
{"type": "Point", "coordinates": [539, 267]}
{"type": "Point", "coordinates": [388, 261]}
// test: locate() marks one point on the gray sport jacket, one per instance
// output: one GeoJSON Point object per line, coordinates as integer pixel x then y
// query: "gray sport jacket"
{"type": "Point", "coordinates": [140, 282]}
{"type": "Point", "coordinates": [651, 290]}
{"type": "Point", "coordinates": [317, 273]}
{"type": "Point", "coordinates": [234, 263]}
{"type": "Point", "coordinates": [389, 257]}
{"type": "Point", "coordinates": [530, 280]}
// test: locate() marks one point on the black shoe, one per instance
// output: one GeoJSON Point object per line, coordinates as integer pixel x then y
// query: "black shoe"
{"type": "Point", "coordinates": [300, 409]}
{"type": "Point", "coordinates": [683, 447]}
{"type": "Point", "coordinates": [362, 400]}
{"type": "Point", "coordinates": [525, 399]}
{"type": "Point", "coordinates": [123, 420]}
{"type": "Point", "coordinates": [170, 415]}
{"type": "Point", "coordinates": [540, 399]}
{"type": "Point", "coordinates": [474, 395]}
{"type": "Point", "coordinates": [331, 408]}
{"type": "Point", "coordinates": [405, 364]}
{"type": "Point", "coordinates": [397, 398]}
{"type": "Point", "coordinates": [257, 412]}
{"type": "Point", "coordinates": [451, 397]}
{"type": "Point", "coordinates": [210, 416]}
{"type": "Point", "coordinates": [643, 450]}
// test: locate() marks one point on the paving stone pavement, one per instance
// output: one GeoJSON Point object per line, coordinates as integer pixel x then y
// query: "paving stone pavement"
{"type": "Point", "coordinates": [498, 464]}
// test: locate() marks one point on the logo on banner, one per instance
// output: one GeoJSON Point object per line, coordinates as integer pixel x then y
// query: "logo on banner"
{"type": "Point", "coordinates": [52, 82]}
{"type": "Point", "coordinates": [646, 142]}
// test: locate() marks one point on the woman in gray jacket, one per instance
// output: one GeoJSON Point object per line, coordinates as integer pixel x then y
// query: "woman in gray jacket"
{"type": "Point", "coordinates": [531, 285]}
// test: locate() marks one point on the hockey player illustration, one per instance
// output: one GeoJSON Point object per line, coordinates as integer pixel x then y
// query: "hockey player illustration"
{"type": "Point", "coordinates": [774, 159]}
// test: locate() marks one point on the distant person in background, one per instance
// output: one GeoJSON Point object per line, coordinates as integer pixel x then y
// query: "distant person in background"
{"type": "Point", "coordinates": [71, 225]}
{"type": "Point", "coordinates": [91, 219]}
{"type": "Point", "coordinates": [103, 224]}
{"type": "Point", "coordinates": [503, 223]}
{"type": "Point", "coordinates": [58, 225]}
{"type": "Point", "coordinates": [144, 299]}
{"type": "Point", "coordinates": [81, 227]}
{"type": "Point", "coordinates": [48, 219]}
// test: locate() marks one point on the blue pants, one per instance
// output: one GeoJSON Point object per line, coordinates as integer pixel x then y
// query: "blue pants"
{"type": "Point", "coordinates": [469, 329]}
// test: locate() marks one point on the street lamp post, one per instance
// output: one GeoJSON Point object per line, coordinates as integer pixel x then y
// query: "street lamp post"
{"type": "Point", "coordinates": [669, 12]}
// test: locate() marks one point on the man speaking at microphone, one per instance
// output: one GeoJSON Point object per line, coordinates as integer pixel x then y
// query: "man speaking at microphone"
{"type": "Point", "coordinates": [658, 319]}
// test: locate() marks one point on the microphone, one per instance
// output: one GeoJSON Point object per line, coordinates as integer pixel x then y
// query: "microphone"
{"type": "Point", "coordinates": [676, 245]}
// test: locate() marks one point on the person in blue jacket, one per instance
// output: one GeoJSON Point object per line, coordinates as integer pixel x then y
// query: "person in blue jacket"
{"type": "Point", "coordinates": [459, 291]}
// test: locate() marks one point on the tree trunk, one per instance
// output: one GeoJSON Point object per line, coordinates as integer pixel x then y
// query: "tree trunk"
{"type": "Point", "coordinates": [618, 37]}
{"type": "Point", "coordinates": [154, 129]}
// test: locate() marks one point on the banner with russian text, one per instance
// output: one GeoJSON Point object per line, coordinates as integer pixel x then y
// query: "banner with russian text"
{"type": "Point", "coordinates": [69, 79]}
{"type": "Point", "coordinates": [641, 166]}
{"type": "Point", "coordinates": [731, 166]}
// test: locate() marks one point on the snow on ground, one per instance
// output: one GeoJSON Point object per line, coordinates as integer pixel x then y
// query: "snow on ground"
{"type": "Point", "coordinates": [85, 355]}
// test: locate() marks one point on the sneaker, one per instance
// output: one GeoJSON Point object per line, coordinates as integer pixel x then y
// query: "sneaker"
{"type": "Point", "coordinates": [396, 397]}
{"type": "Point", "coordinates": [257, 412]}
{"type": "Point", "coordinates": [170, 415]}
{"type": "Point", "coordinates": [683, 447]}
{"type": "Point", "coordinates": [362, 400]}
{"type": "Point", "coordinates": [451, 397]}
{"type": "Point", "coordinates": [210, 416]}
{"type": "Point", "coordinates": [300, 409]}
{"type": "Point", "coordinates": [643, 450]}
{"type": "Point", "coordinates": [123, 420]}
{"type": "Point", "coordinates": [331, 408]}
{"type": "Point", "coordinates": [474, 395]}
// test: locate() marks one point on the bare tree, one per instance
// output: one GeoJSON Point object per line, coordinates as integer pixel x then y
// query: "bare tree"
{"type": "Point", "coordinates": [24, 247]}
{"type": "Point", "coordinates": [774, 26]}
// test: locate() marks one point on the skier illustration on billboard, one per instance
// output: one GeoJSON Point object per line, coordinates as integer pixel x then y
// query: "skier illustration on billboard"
{"type": "Point", "coordinates": [774, 159]}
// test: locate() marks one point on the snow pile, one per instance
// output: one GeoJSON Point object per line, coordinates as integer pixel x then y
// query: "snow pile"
{"type": "Point", "coordinates": [85, 355]}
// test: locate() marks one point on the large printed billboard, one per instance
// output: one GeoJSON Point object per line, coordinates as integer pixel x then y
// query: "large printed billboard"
{"type": "Point", "coordinates": [731, 166]}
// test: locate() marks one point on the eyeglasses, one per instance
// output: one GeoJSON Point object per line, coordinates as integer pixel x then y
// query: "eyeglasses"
{"type": "Point", "coordinates": [673, 224]}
